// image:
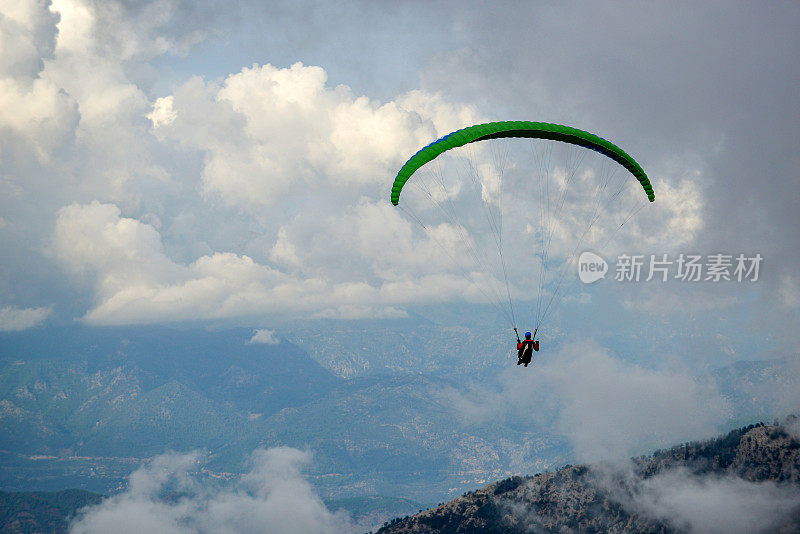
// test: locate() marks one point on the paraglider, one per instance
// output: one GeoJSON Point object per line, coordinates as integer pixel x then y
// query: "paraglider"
{"type": "Point", "coordinates": [526, 348]}
{"type": "Point", "coordinates": [565, 208]}
{"type": "Point", "coordinates": [538, 130]}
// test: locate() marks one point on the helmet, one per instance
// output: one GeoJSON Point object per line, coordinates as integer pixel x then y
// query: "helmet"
{"type": "Point", "coordinates": [527, 335]}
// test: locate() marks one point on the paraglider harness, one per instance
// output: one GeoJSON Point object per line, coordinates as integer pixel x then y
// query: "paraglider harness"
{"type": "Point", "coordinates": [525, 348]}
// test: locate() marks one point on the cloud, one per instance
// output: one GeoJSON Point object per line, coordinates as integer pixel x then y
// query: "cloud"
{"type": "Point", "coordinates": [611, 408]}
{"type": "Point", "coordinates": [792, 427]}
{"type": "Point", "coordinates": [273, 496]}
{"type": "Point", "coordinates": [675, 297]}
{"type": "Point", "coordinates": [13, 319]}
{"type": "Point", "coordinates": [375, 235]}
{"type": "Point", "coordinates": [710, 503]}
{"type": "Point", "coordinates": [27, 36]}
{"type": "Point", "coordinates": [264, 337]}
{"type": "Point", "coordinates": [126, 31]}
{"type": "Point", "coordinates": [36, 117]}
{"type": "Point", "coordinates": [790, 291]}
{"type": "Point", "coordinates": [163, 112]}
{"type": "Point", "coordinates": [122, 252]}
{"type": "Point", "coordinates": [137, 282]}
{"type": "Point", "coordinates": [606, 407]}
{"type": "Point", "coordinates": [269, 131]}
{"type": "Point", "coordinates": [112, 156]}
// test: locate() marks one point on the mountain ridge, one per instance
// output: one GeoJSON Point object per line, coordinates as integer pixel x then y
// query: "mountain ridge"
{"type": "Point", "coordinates": [603, 498]}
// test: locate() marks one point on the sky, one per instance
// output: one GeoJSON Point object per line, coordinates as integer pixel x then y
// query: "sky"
{"type": "Point", "coordinates": [165, 161]}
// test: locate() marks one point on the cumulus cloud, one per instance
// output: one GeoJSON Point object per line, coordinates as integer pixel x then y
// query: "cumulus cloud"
{"type": "Point", "coordinates": [27, 37]}
{"type": "Point", "coordinates": [123, 252]}
{"type": "Point", "coordinates": [36, 117]}
{"type": "Point", "coordinates": [163, 111]}
{"type": "Point", "coordinates": [268, 130]}
{"type": "Point", "coordinates": [305, 162]}
{"type": "Point", "coordinates": [385, 244]}
{"type": "Point", "coordinates": [131, 31]}
{"type": "Point", "coordinates": [272, 497]}
{"type": "Point", "coordinates": [12, 319]}
{"type": "Point", "coordinates": [137, 282]}
{"type": "Point", "coordinates": [112, 155]}
{"type": "Point", "coordinates": [264, 337]}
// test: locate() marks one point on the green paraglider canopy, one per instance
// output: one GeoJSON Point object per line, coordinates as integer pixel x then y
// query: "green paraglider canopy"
{"type": "Point", "coordinates": [540, 130]}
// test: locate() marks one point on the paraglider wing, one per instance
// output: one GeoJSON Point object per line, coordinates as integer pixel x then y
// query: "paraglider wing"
{"type": "Point", "coordinates": [540, 130]}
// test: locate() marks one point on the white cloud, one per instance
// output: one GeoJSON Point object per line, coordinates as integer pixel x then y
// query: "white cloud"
{"type": "Point", "coordinates": [272, 497]}
{"type": "Point", "coordinates": [606, 407]}
{"type": "Point", "coordinates": [712, 503]}
{"type": "Point", "coordinates": [269, 131]}
{"type": "Point", "coordinates": [12, 319]}
{"type": "Point", "coordinates": [137, 282]}
{"type": "Point", "coordinates": [27, 35]}
{"type": "Point", "coordinates": [264, 337]}
{"type": "Point", "coordinates": [122, 252]}
{"type": "Point", "coordinates": [613, 409]}
{"type": "Point", "coordinates": [35, 114]}
{"type": "Point", "coordinates": [163, 112]}
{"type": "Point", "coordinates": [113, 152]}
{"type": "Point", "coordinates": [124, 31]}
{"type": "Point", "coordinates": [376, 239]}
{"type": "Point", "coordinates": [790, 291]}
{"type": "Point", "coordinates": [306, 163]}
{"type": "Point", "coordinates": [678, 215]}
{"type": "Point", "coordinates": [279, 150]}
{"type": "Point", "coordinates": [35, 117]}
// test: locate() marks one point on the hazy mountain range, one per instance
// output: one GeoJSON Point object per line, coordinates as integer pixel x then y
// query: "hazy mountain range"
{"type": "Point", "coordinates": [82, 407]}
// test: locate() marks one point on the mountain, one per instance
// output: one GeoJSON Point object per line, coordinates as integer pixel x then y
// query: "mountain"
{"type": "Point", "coordinates": [401, 436]}
{"type": "Point", "coordinates": [84, 407]}
{"type": "Point", "coordinates": [759, 464]}
{"type": "Point", "coordinates": [223, 365]}
{"type": "Point", "coordinates": [42, 511]}
{"type": "Point", "coordinates": [80, 402]}
{"type": "Point", "coordinates": [351, 349]}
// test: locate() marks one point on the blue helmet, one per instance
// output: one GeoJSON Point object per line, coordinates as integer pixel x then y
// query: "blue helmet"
{"type": "Point", "coordinates": [527, 335]}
